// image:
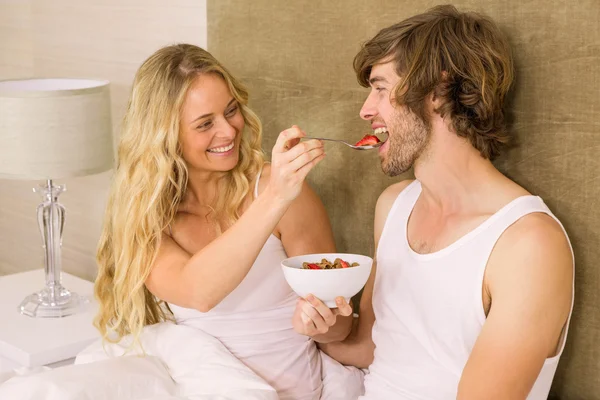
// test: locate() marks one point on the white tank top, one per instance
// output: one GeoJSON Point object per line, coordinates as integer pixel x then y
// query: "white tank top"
{"type": "Point", "coordinates": [428, 307]}
{"type": "Point", "coordinates": [254, 322]}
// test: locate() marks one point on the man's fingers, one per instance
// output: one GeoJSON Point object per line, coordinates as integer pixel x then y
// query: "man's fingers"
{"type": "Point", "coordinates": [322, 309]}
{"type": "Point", "coordinates": [320, 324]}
{"type": "Point", "coordinates": [344, 309]}
{"type": "Point", "coordinates": [309, 325]}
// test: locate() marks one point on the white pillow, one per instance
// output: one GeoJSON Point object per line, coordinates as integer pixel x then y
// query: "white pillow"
{"type": "Point", "coordinates": [21, 371]}
{"type": "Point", "coordinates": [200, 365]}
{"type": "Point", "coordinates": [123, 378]}
{"type": "Point", "coordinates": [340, 382]}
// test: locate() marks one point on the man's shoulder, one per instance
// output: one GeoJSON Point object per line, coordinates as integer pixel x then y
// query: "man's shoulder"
{"type": "Point", "coordinates": [389, 195]}
{"type": "Point", "coordinates": [537, 230]}
{"type": "Point", "coordinates": [385, 202]}
{"type": "Point", "coordinates": [535, 249]}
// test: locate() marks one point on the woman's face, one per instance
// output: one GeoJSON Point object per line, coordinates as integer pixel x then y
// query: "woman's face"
{"type": "Point", "coordinates": [211, 126]}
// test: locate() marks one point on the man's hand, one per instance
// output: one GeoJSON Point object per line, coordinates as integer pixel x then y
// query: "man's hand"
{"type": "Point", "coordinates": [313, 318]}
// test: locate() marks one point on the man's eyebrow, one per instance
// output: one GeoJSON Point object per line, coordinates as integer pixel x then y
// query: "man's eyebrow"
{"type": "Point", "coordinates": [376, 79]}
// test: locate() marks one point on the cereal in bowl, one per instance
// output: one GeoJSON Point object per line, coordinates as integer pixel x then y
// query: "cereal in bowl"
{"type": "Point", "coordinates": [326, 264]}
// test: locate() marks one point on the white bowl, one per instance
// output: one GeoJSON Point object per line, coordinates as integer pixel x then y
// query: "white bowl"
{"type": "Point", "coordinates": [327, 284]}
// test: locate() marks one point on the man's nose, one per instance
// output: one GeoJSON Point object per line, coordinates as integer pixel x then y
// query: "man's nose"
{"type": "Point", "coordinates": [369, 109]}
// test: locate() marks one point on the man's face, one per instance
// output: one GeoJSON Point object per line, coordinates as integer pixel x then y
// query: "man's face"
{"type": "Point", "coordinates": [408, 134]}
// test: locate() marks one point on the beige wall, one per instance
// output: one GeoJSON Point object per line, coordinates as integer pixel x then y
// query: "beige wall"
{"type": "Point", "coordinates": [299, 71]}
{"type": "Point", "coordinates": [80, 38]}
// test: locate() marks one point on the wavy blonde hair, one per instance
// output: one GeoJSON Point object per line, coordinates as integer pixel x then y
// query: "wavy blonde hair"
{"type": "Point", "coordinates": [151, 180]}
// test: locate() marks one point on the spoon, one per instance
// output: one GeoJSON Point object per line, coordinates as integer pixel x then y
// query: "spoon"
{"type": "Point", "coordinates": [365, 147]}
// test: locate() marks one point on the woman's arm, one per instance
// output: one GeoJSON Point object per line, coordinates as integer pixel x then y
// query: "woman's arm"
{"type": "Point", "coordinates": [305, 227]}
{"type": "Point", "coordinates": [204, 279]}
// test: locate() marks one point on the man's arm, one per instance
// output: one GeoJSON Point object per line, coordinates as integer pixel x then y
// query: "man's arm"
{"type": "Point", "coordinates": [302, 235]}
{"type": "Point", "coordinates": [358, 348]}
{"type": "Point", "coordinates": [529, 278]}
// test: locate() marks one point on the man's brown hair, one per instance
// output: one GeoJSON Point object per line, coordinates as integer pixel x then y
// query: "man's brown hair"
{"type": "Point", "coordinates": [461, 58]}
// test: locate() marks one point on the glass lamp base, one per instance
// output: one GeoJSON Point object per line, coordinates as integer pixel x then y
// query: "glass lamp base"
{"type": "Point", "coordinates": [53, 303]}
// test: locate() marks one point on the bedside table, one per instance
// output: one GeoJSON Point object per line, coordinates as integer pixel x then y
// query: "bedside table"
{"type": "Point", "coordinates": [34, 342]}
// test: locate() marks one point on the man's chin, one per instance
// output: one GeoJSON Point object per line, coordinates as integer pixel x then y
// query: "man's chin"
{"type": "Point", "coordinates": [386, 170]}
{"type": "Point", "coordinates": [390, 174]}
{"type": "Point", "coordinates": [392, 170]}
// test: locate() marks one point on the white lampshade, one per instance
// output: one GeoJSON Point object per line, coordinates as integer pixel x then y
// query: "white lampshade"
{"type": "Point", "coordinates": [54, 128]}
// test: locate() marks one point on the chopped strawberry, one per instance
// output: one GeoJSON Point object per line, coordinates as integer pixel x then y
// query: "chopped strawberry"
{"type": "Point", "coordinates": [313, 266]}
{"type": "Point", "coordinates": [368, 140]}
{"type": "Point", "coordinates": [344, 264]}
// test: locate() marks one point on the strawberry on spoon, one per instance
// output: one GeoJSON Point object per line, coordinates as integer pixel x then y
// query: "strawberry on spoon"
{"type": "Point", "coordinates": [368, 140]}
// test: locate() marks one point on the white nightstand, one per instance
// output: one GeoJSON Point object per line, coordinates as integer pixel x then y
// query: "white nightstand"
{"type": "Point", "coordinates": [33, 342]}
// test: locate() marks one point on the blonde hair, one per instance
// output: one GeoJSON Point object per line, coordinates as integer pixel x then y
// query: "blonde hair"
{"type": "Point", "coordinates": [150, 182]}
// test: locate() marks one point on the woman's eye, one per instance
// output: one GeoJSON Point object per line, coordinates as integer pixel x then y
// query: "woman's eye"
{"type": "Point", "coordinates": [231, 112]}
{"type": "Point", "coordinates": [205, 125]}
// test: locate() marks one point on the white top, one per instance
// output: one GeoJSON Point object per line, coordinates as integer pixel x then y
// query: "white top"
{"type": "Point", "coordinates": [254, 322]}
{"type": "Point", "coordinates": [428, 307]}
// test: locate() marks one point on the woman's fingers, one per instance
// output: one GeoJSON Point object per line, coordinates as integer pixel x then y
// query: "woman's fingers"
{"type": "Point", "coordinates": [301, 148]}
{"type": "Point", "coordinates": [291, 162]}
{"type": "Point", "coordinates": [288, 139]}
{"type": "Point", "coordinates": [303, 172]}
{"type": "Point", "coordinates": [305, 158]}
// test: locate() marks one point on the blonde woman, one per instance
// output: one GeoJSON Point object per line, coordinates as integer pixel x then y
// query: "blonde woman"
{"type": "Point", "coordinates": [196, 220]}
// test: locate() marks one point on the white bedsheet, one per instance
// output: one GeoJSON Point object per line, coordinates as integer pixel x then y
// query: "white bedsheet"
{"type": "Point", "coordinates": [180, 363]}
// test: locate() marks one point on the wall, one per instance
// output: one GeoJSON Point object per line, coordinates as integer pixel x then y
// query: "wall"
{"type": "Point", "coordinates": [91, 39]}
{"type": "Point", "coordinates": [297, 64]}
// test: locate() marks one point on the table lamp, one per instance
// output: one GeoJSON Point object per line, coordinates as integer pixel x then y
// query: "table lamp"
{"type": "Point", "coordinates": [53, 129]}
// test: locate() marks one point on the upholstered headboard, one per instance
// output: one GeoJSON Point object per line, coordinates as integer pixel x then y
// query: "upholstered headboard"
{"type": "Point", "coordinates": [296, 58]}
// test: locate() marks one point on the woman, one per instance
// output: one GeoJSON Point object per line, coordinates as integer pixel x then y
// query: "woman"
{"type": "Point", "coordinates": [196, 221]}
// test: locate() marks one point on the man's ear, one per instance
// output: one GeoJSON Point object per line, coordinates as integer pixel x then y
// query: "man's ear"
{"type": "Point", "coordinates": [434, 98]}
{"type": "Point", "coordinates": [433, 103]}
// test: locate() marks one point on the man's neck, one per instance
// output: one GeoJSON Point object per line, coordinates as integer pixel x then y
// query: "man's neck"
{"type": "Point", "coordinates": [453, 174]}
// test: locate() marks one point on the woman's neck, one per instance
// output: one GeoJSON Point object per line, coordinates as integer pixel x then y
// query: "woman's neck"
{"type": "Point", "coordinates": [202, 189]}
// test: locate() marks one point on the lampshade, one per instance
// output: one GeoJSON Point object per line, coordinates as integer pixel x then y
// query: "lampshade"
{"type": "Point", "coordinates": [54, 128]}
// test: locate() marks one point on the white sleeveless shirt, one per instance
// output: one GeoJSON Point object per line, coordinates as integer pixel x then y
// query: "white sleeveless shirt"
{"type": "Point", "coordinates": [254, 322]}
{"type": "Point", "coordinates": [428, 307]}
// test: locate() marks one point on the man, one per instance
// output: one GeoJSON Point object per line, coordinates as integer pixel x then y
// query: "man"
{"type": "Point", "coordinates": [472, 287]}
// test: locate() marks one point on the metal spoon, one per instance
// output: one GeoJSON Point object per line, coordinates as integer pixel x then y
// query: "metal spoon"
{"type": "Point", "coordinates": [365, 147]}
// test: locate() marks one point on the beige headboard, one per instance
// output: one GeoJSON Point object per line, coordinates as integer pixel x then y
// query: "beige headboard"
{"type": "Point", "coordinates": [296, 58]}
